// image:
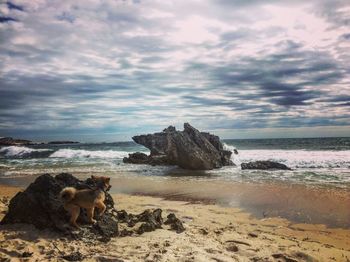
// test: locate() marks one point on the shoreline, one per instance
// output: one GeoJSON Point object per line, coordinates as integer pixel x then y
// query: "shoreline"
{"type": "Point", "coordinates": [213, 233]}
{"type": "Point", "coordinates": [297, 203]}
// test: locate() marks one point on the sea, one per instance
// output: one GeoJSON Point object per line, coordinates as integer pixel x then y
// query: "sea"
{"type": "Point", "coordinates": [314, 161]}
{"type": "Point", "coordinates": [315, 190]}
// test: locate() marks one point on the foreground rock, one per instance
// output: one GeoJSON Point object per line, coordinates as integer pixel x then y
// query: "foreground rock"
{"type": "Point", "coordinates": [189, 149]}
{"type": "Point", "coordinates": [40, 206]}
{"type": "Point", "coordinates": [264, 165]}
{"type": "Point", "coordinates": [9, 141]}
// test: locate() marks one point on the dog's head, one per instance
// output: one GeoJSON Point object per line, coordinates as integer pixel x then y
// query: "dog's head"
{"type": "Point", "coordinates": [102, 182]}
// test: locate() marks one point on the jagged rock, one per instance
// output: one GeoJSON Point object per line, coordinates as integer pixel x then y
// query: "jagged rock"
{"type": "Point", "coordinates": [175, 223]}
{"type": "Point", "coordinates": [189, 149]}
{"type": "Point", "coordinates": [264, 165]}
{"type": "Point", "coordinates": [153, 217]}
{"type": "Point", "coordinates": [146, 227]}
{"type": "Point", "coordinates": [142, 158]}
{"type": "Point", "coordinates": [40, 206]}
{"type": "Point", "coordinates": [152, 220]}
{"type": "Point", "coordinates": [169, 129]}
{"type": "Point", "coordinates": [137, 158]}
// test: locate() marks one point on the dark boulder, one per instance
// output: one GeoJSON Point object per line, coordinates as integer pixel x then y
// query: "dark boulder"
{"type": "Point", "coordinates": [137, 158]}
{"type": "Point", "coordinates": [264, 165]}
{"type": "Point", "coordinates": [40, 206]}
{"type": "Point", "coordinates": [175, 223]}
{"type": "Point", "coordinates": [189, 149]}
{"type": "Point", "coordinates": [142, 158]}
{"type": "Point", "coordinates": [152, 220]}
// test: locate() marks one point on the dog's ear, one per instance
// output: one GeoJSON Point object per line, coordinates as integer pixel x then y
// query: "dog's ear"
{"type": "Point", "coordinates": [93, 177]}
{"type": "Point", "coordinates": [108, 179]}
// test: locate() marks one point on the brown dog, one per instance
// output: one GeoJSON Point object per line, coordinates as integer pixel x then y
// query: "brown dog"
{"type": "Point", "coordinates": [89, 199]}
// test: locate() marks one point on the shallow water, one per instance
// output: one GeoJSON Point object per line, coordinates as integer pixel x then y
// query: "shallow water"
{"type": "Point", "coordinates": [316, 190]}
{"type": "Point", "coordinates": [314, 161]}
{"type": "Point", "coordinates": [297, 203]}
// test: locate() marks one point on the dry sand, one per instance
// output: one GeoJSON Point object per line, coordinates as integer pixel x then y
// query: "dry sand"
{"type": "Point", "coordinates": [213, 233]}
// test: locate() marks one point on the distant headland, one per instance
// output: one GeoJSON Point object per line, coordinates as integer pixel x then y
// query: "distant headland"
{"type": "Point", "coordinates": [9, 141]}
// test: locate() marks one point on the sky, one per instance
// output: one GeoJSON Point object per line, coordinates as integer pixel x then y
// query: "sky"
{"type": "Point", "coordinates": [93, 70]}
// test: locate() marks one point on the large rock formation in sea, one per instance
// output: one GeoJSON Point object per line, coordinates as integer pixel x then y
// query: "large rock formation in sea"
{"type": "Point", "coordinates": [189, 149]}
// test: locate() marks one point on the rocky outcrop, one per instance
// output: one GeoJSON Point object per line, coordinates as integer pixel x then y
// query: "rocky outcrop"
{"type": "Point", "coordinates": [40, 206]}
{"type": "Point", "coordinates": [142, 158]}
{"type": "Point", "coordinates": [264, 165]}
{"type": "Point", "coordinates": [9, 141]}
{"type": "Point", "coordinates": [189, 149]}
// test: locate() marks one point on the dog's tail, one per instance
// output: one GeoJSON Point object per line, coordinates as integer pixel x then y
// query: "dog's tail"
{"type": "Point", "coordinates": [68, 193]}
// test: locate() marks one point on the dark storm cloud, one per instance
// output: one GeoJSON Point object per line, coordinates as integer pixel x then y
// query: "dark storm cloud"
{"type": "Point", "coordinates": [7, 19]}
{"type": "Point", "coordinates": [121, 66]}
{"type": "Point", "coordinates": [13, 6]}
{"type": "Point", "coordinates": [271, 76]}
{"type": "Point", "coordinates": [346, 36]}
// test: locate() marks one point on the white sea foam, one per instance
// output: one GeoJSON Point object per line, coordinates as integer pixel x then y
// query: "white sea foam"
{"type": "Point", "coordinates": [18, 151]}
{"type": "Point", "coordinates": [80, 153]}
{"type": "Point", "coordinates": [299, 158]}
{"type": "Point", "coordinates": [234, 157]}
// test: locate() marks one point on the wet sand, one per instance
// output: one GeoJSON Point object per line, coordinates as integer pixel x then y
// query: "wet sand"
{"type": "Point", "coordinates": [213, 233]}
{"type": "Point", "coordinates": [298, 203]}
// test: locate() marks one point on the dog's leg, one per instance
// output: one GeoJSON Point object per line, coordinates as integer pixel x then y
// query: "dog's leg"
{"type": "Point", "coordinates": [74, 212]}
{"type": "Point", "coordinates": [90, 214]}
{"type": "Point", "coordinates": [101, 206]}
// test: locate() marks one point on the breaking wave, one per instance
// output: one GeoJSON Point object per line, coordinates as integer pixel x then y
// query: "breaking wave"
{"type": "Point", "coordinates": [300, 158]}
{"type": "Point", "coordinates": [24, 152]}
{"type": "Point", "coordinates": [80, 153]}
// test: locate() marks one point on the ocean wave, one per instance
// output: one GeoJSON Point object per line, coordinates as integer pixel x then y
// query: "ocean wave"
{"type": "Point", "coordinates": [80, 153]}
{"type": "Point", "coordinates": [300, 158]}
{"type": "Point", "coordinates": [23, 152]}
{"type": "Point", "coordinates": [235, 159]}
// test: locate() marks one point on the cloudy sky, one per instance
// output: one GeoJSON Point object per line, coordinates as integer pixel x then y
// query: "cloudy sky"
{"type": "Point", "coordinates": [96, 70]}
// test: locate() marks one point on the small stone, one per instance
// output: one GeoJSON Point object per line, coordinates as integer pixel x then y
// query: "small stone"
{"type": "Point", "coordinates": [232, 248]}
{"type": "Point", "coordinates": [27, 254]}
{"type": "Point", "coordinates": [252, 234]}
{"type": "Point", "coordinates": [175, 223]}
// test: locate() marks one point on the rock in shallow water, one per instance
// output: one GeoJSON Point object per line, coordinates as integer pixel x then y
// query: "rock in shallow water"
{"type": "Point", "coordinates": [264, 165]}
{"type": "Point", "coordinates": [189, 149]}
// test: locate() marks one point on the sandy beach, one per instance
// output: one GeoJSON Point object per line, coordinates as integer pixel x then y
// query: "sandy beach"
{"type": "Point", "coordinates": [213, 233]}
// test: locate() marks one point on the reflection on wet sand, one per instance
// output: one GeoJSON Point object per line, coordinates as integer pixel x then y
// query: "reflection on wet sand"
{"type": "Point", "coordinates": [298, 203]}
